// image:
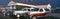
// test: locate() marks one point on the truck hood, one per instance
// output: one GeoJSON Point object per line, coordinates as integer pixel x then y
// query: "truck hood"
{"type": "Point", "coordinates": [20, 11]}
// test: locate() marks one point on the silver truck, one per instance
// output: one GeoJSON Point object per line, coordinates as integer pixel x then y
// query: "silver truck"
{"type": "Point", "coordinates": [32, 12]}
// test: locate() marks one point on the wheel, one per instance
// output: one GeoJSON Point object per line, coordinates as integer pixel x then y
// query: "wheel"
{"type": "Point", "coordinates": [18, 16]}
{"type": "Point", "coordinates": [8, 14]}
{"type": "Point", "coordinates": [34, 17]}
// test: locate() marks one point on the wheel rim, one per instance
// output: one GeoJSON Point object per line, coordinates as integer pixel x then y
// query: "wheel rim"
{"type": "Point", "coordinates": [8, 14]}
{"type": "Point", "coordinates": [34, 18]}
{"type": "Point", "coordinates": [18, 15]}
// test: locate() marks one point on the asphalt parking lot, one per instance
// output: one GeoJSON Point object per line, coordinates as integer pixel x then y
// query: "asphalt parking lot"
{"type": "Point", "coordinates": [48, 16]}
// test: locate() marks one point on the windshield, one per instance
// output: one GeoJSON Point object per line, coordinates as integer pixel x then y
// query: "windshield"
{"type": "Point", "coordinates": [35, 9]}
{"type": "Point", "coordinates": [19, 7]}
{"type": "Point", "coordinates": [25, 10]}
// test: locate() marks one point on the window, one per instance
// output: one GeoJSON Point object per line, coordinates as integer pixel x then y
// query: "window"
{"type": "Point", "coordinates": [41, 10]}
{"type": "Point", "coordinates": [24, 9]}
{"type": "Point", "coordinates": [47, 9]}
{"type": "Point", "coordinates": [36, 9]}
{"type": "Point", "coordinates": [28, 9]}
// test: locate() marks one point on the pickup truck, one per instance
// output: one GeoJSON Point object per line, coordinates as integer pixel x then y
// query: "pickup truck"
{"type": "Point", "coordinates": [31, 12]}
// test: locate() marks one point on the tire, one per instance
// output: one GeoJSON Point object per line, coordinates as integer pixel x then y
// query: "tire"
{"type": "Point", "coordinates": [18, 16]}
{"type": "Point", "coordinates": [8, 14]}
{"type": "Point", "coordinates": [34, 17]}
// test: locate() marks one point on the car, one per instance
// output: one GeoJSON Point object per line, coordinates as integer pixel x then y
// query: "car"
{"type": "Point", "coordinates": [32, 13]}
{"type": "Point", "coordinates": [38, 12]}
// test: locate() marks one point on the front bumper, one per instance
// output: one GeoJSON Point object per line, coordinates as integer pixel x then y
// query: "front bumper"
{"type": "Point", "coordinates": [23, 14]}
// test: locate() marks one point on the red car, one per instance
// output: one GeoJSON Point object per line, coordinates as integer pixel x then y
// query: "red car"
{"type": "Point", "coordinates": [38, 12]}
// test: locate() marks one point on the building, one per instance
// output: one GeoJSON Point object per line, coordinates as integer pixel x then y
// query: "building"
{"type": "Point", "coordinates": [12, 3]}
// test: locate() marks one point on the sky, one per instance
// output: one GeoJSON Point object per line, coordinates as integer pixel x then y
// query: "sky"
{"type": "Point", "coordinates": [54, 3]}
